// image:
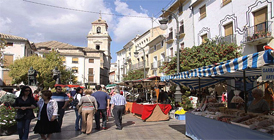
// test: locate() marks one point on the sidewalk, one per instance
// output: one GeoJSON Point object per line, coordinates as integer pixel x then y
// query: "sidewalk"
{"type": "Point", "coordinates": [133, 128]}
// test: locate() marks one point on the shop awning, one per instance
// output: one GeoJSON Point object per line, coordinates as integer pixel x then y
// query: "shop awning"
{"type": "Point", "coordinates": [209, 75]}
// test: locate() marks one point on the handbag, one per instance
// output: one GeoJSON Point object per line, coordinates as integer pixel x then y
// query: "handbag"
{"type": "Point", "coordinates": [19, 116]}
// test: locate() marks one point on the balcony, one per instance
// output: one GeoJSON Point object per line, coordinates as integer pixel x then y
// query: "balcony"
{"type": "Point", "coordinates": [161, 63]}
{"type": "Point", "coordinates": [154, 65]}
{"type": "Point", "coordinates": [259, 34]}
{"type": "Point", "coordinates": [228, 39]}
{"type": "Point", "coordinates": [182, 31]}
{"type": "Point", "coordinates": [139, 65]}
{"type": "Point", "coordinates": [170, 38]}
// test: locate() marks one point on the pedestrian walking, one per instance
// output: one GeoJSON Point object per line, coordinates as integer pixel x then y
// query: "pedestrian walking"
{"type": "Point", "coordinates": [118, 103]}
{"type": "Point", "coordinates": [76, 99]}
{"type": "Point", "coordinates": [47, 116]}
{"type": "Point", "coordinates": [62, 101]}
{"type": "Point", "coordinates": [102, 99]}
{"type": "Point", "coordinates": [89, 107]}
{"type": "Point", "coordinates": [24, 104]}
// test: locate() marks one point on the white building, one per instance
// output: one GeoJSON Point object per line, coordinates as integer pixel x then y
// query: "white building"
{"type": "Point", "coordinates": [16, 47]}
{"type": "Point", "coordinates": [90, 64]}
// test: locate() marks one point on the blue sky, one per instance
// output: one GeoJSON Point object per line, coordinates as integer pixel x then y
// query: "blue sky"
{"type": "Point", "coordinates": [47, 20]}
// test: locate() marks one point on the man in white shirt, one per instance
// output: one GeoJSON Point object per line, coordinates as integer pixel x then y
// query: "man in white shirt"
{"type": "Point", "coordinates": [18, 90]}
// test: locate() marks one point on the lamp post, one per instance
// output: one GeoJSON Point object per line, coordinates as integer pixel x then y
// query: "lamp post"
{"type": "Point", "coordinates": [136, 55]}
{"type": "Point", "coordinates": [163, 26]}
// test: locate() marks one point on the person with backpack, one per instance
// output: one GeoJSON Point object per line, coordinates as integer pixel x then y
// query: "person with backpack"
{"type": "Point", "coordinates": [76, 98]}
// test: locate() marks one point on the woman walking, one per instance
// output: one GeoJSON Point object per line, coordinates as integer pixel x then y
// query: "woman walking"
{"type": "Point", "coordinates": [89, 107]}
{"type": "Point", "coordinates": [47, 117]}
{"type": "Point", "coordinates": [25, 104]}
{"type": "Point", "coordinates": [77, 98]}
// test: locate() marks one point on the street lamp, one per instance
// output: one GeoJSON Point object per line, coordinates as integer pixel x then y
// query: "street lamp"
{"type": "Point", "coordinates": [136, 55]}
{"type": "Point", "coordinates": [163, 26]}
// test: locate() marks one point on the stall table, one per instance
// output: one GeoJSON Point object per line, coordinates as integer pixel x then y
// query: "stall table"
{"type": "Point", "coordinates": [199, 127]}
{"type": "Point", "coordinates": [152, 112]}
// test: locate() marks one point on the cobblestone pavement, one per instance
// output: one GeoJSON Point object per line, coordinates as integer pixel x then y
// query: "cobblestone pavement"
{"type": "Point", "coordinates": [133, 129]}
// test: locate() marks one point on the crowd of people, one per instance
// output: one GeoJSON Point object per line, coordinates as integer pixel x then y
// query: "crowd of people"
{"type": "Point", "coordinates": [88, 104]}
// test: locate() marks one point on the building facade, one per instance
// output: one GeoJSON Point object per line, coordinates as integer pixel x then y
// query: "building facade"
{"type": "Point", "coordinates": [89, 64]}
{"type": "Point", "coordinates": [16, 47]}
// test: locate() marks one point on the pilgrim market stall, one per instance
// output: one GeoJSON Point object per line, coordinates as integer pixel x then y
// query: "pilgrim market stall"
{"type": "Point", "coordinates": [213, 120]}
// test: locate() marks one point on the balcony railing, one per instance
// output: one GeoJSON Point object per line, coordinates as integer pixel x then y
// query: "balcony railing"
{"type": "Point", "coordinates": [154, 65]}
{"type": "Point", "coordinates": [259, 32]}
{"type": "Point", "coordinates": [161, 63]}
{"type": "Point", "coordinates": [138, 65]}
{"type": "Point", "coordinates": [228, 39]}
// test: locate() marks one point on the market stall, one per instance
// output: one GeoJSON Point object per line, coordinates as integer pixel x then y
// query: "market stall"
{"type": "Point", "coordinates": [204, 124]}
{"type": "Point", "coordinates": [152, 112]}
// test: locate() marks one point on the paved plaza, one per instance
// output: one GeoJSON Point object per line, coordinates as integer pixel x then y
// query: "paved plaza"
{"type": "Point", "coordinates": [133, 128]}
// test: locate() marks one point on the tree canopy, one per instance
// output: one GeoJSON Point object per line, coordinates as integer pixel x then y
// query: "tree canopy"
{"type": "Point", "coordinates": [44, 66]}
{"type": "Point", "coordinates": [134, 75]}
{"type": "Point", "coordinates": [205, 54]}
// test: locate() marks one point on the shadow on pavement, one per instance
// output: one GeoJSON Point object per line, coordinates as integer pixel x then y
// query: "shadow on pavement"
{"type": "Point", "coordinates": [180, 128]}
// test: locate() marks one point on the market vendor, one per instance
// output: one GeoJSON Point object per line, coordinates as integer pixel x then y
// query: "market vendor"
{"type": "Point", "coordinates": [258, 105]}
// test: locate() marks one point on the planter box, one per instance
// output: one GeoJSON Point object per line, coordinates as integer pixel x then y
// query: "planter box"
{"type": "Point", "coordinates": [180, 116]}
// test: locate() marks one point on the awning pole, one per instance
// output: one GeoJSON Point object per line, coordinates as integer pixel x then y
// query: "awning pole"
{"type": "Point", "coordinates": [200, 94]}
{"type": "Point", "coordinates": [245, 93]}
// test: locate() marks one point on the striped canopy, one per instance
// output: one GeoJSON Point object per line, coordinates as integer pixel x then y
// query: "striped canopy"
{"type": "Point", "coordinates": [231, 69]}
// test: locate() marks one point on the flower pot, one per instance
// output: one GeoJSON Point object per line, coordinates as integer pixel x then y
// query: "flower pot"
{"type": "Point", "coordinates": [5, 131]}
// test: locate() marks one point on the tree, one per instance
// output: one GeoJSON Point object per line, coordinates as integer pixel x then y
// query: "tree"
{"type": "Point", "coordinates": [44, 66]}
{"type": "Point", "coordinates": [134, 75]}
{"type": "Point", "coordinates": [2, 46]}
{"type": "Point", "coordinates": [207, 53]}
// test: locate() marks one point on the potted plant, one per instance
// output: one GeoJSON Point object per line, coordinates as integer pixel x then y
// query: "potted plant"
{"type": "Point", "coordinates": [7, 121]}
{"type": "Point", "coordinates": [7, 115]}
{"type": "Point", "coordinates": [249, 38]}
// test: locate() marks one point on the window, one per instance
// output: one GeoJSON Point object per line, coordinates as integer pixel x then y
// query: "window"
{"type": "Point", "coordinates": [9, 44]}
{"type": "Point", "coordinates": [91, 60]}
{"type": "Point", "coordinates": [204, 37]}
{"type": "Point", "coordinates": [162, 43]}
{"type": "Point", "coordinates": [64, 59]}
{"type": "Point", "coordinates": [203, 12]}
{"type": "Point", "coordinates": [155, 47]}
{"type": "Point", "coordinates": [225, 2]}
{"type": "Point", "coordinates": [98, 29]}
{"type": "Point", "coordinates": [90, 79]}
{"type": "Point", "coordinates": [6, 78]}
{"type": "Point", "coordinates": [228, 29]}
{"type": "Point", "coordinates": [169, 18]}
{"type": "Point", "coordinates": [74, 60]}
{"type": "Point", "coordinates": [170, 35]}
{"type": "Point", "coordinates": [97, 47]}
{"type": "Point", "coordinates": [171, 52]}
{"type": "Point", "coordinates": [182, 46]}
{"type": "Point", "coordinates": [182, 27]}
{"type": "Point", "coordinates": [74, 69]}
{"type": "Point", "coordinates": [8, 59]}
{"type": "Point", "coordinates": [260, 18]}
{"type": "Point", "coordinates": [90, 71]}
{"type": "Point", "coordinates": [180, 10]}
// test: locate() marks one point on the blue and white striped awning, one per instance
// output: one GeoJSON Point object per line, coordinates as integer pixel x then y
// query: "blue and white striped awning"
{"type": "Point", "coordinates": [234, 68]}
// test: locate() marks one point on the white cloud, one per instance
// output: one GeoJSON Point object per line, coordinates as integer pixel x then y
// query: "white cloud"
{"type": "Point", "coordinates": [128, 27]}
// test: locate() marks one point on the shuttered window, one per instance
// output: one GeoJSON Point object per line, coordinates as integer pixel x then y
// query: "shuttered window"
{"type": "Point", "coordinates": [204, 37]}
{"type": "Point", "coordinates": [228, 29]}
{"type": "Point", "coordinates": [91, 60]}
{"type": "Point", "coordinates": [90, 71]}
{"type": "Point", "coordinates": [90, 79]}
{"type": "Point", "coordinates": [6, 78]}
{"type": "Point", "coordinates": [8, 59]}
{"type": "Point", "coordinates": [75, 60]}
{"type": "Point", "coordinates": [260, 18]}
{"type": "Point", "coordinates": [203, 12]}
{"type": "Point", "coordinates": [75, 69]}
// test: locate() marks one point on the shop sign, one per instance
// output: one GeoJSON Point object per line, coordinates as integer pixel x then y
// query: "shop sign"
{"type": "Point", "coordinates": [268, 73]}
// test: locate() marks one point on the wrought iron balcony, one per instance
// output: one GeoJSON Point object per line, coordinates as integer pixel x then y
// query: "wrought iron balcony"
{"type": "Point", "coordinates": [228, 39]}
{"type": "Point", "coordinates": [170, 38]}
{"type": "Point", "coordinates": [259, 33]}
